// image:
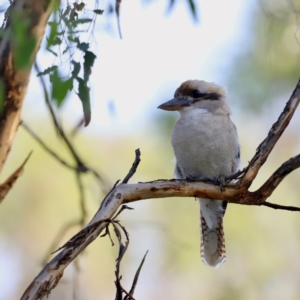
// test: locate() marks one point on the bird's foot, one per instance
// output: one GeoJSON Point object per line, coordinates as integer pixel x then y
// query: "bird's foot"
{"type": "Point", "coordinates": [236, 176]}
{"type": "Point", "coordinates": [221, 182]}
{"type": "Point", "coordinates": [192, 178]}
{"type": "Point", "coordinates": [195, 178]}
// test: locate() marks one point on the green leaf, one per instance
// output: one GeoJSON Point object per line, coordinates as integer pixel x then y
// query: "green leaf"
{"type": "Point", "coordinates": [55, 54]}
{"type": "Point", "coordinates": [73, 39]}
{"type": "Point", "coordinates": [60, 88]}
{"type": "Point", "coordinates": [193, 9]}
{"type": "Point", "coordinates": [89, 59]}
{"type": "Point", "coordinates": [83, 46]}
{"type": "Point", "coordinates": [66, 50]}
{"type": "Point", "coordinates": [56, 41]}
{"type": "Point", "coordinates": [82, 21]}
{"type": "Point", "coordinates": [98, 11]}
{"type": "Point", "coordinates": [53, 33]}
{"type": "Point", "coordinates": [76, 69]}
{"type": "Point", "coordinates": [84, 96]}
{"type": "Point", "coordinates": [47, 71]}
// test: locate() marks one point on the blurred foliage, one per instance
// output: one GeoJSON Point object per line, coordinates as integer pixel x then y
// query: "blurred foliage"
{"type": "Point", "coordinates": [262, 260]}
{"type": "Point", "coordinates": [72, 23]}
{"type": "Point", "coordinates": [191, 4]}
{"type": "Point", "coordinates": [18, 32]}
{"type": "Point", "coordinates": [64, 40]}
{"type": "Point", "coordinates": [268, 60]}
{"type": "Point", "coordinates": [262, 244]}
{"type": "Point", "coordinates": [24, 44]}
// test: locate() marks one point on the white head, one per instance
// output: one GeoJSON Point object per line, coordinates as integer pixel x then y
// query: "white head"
{"type": "Point", "coordinates": [194, 94]}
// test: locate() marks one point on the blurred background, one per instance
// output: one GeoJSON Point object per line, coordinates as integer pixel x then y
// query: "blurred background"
{"type": "Point", "coordinates": [253, 48]}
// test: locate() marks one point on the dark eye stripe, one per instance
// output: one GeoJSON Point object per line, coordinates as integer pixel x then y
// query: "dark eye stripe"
{"type": "Point", "coordinates": [197, 94]}
{"type": "Point", "coordinates": [209, 96]}
{"type": "Point", "coordinates": [212, 96]}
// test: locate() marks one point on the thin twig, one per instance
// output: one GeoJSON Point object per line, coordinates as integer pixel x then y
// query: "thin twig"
{"type": "Point", "coordinates": [136, 277]}
{"type": "Point", "coordinates": [134, 166]}
{"type": "Point", "coordinates": [56, 123]}
{"type": "Point", "coordinates": [80, 165]}
{"type": "Point", "coordinates": [58, 238]}
{"type": "Point", "coordinates": [118, 6]}
{"type": "Point", "coordinates": [123, 207]}
{"type": "Point", "coordinates": [281, 207]}
{"type": "Point", "coordinates": [107, 232]}
{"type": "Point", "coordinates": [40, 141]}
{"type": "Point", "coordinates": [78, 169]}
{"type": "Point", "coordinates": [271, 184]}
{"type": "Point", "coordinates": [82, 199]}
{"type": "Point", "coordinates": [55, 120]}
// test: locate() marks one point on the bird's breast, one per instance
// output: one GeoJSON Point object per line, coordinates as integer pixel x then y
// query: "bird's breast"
{"type": "Point", "coordinates": [205, 145]}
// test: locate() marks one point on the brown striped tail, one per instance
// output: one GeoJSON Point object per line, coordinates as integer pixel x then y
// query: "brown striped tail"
{"type": "Point", "coordinates": [212, 244]}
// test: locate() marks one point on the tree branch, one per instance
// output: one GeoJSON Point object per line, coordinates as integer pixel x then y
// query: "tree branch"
{"type": "Point", "coordinates": [14, 79]}
{"type": "Point", "coordinates": [46, 148]}
{"type": "Point", "coordinates": [267, 145]}
{"type": "Point", "coordinates": [125, 193]}
{"type": "Point", "coordinates": [134, 166]}
{"type": "Point", "coordinates": [281, 207]}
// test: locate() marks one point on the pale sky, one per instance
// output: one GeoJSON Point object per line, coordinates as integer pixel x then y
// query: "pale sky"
{"type": "Point", "coordinates": [158, 52]}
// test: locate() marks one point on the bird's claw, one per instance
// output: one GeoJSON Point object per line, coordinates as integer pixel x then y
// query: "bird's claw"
{"type": "Point", "coordinates": [191, 178]}
{"type": "Point", "coordinates": [222, 182]}
{"type": "Point", "coordinates": [195, 178]}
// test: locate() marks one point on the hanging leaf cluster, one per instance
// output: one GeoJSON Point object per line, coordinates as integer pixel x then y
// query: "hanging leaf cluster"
{"type": "Point", "coordinates": [67, 28]}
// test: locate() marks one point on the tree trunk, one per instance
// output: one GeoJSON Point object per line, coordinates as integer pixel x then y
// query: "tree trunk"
{"type": "Point", "coordinates": [14, 79]}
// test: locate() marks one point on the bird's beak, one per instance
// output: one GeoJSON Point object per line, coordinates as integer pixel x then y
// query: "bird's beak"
{"type": "Point", "coordinates": [174, 104]}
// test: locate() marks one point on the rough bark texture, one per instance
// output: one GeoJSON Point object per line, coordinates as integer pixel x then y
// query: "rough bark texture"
{"type": "Point", "coordinates": [15, 81]}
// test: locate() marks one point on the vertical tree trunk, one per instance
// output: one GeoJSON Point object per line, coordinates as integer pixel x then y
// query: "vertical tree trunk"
{"type": "Point", "coordinates": [14, 79]}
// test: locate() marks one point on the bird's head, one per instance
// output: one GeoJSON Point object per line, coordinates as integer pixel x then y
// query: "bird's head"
{"type": "Point", "coordinates": [198, 94]}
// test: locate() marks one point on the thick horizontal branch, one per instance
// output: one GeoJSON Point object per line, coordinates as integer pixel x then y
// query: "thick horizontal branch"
{"type": "Point", "coordinates": [125, 193]}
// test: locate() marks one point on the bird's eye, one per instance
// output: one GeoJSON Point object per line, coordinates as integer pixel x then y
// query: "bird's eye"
{"type": "Point", "coordinates": [197, 94]}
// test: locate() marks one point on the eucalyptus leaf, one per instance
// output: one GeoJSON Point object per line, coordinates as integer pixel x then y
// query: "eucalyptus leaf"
{"type": "Point", "coordinates": [89, 59]}
{"type": "Point", "coordinates": [84, 96]}
{"type": "Point", "coordinates": [47, 71]}
{"type": "Point", "coordinates": [60, 88]}
{"type": "Point", "coordinates": [98, 11]}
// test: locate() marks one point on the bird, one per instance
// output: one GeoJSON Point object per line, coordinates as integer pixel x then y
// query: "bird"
{"type": "Point", "coordinates": [206, 146]}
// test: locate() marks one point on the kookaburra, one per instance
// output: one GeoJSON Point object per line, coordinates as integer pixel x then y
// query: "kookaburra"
{"type": "Point", "coordinates": [206, 146]}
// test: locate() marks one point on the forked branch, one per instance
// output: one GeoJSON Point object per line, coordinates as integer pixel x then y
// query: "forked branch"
{"type": "Point", "coordinates": [124, 193]}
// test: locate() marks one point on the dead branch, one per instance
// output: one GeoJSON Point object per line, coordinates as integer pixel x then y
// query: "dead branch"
{"type": "Point", "coordinates": [267, 145]}
{"type": "Point", "coordinates": [281, 207]}
{"type": "Point", "coordinates": [124, 193]}
{"type": "Point", "coordinates": [136, 277]}
{"type": "Point", "coordinates": [134, 166]}
{"type": "Point", "coordinates": [7, 185]}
